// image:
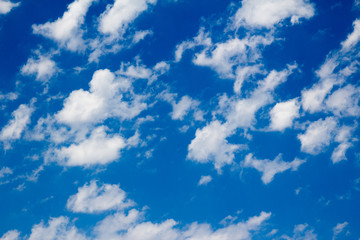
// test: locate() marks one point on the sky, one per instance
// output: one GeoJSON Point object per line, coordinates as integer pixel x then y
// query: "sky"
{"type": "Point", "coordinates": [179, 119]}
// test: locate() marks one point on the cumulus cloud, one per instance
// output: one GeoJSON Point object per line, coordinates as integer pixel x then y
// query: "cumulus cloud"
{"type": "Point", "coordinates": [66, 31]}
{"type": "Point", "coordinates": [318, 135]}
{"type": "Point", "coordinates": [283, 114]}
{"type": "Point", "coordinates": [117, 17]}
{"type": "Point", "coordinates": [344, 101]}
{"type": "Point", "coordinates": [267, 13]}
{"type": "Point", "coordinates": [103, 100]}
{"type": "Point", "coordinates": [94, 198]}
{"type": "Point", "coordinates": [130, 227]}
{"type": "Point", "coordinates": [16, 126]}
{"type": "Point", "coordinates": [270, 168]}
{"type": "Point", "coordinates": [210, 145]}
{"type": "Point", "coordinates": [11, 235]}
{"type": "Point", "coordinates": [57, 228]}
{"type": "Point", "coordinates": [99, 148]}
{"type": "Point", "coordinates": [43, 67]}
{"type": "Point", "coordinates": [204, 180]}
{"type": "Point", "coordinates": [6, 6]}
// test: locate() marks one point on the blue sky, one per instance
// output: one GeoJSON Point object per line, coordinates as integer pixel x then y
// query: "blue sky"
{"type": "Point", "coordinates": [178, 119]}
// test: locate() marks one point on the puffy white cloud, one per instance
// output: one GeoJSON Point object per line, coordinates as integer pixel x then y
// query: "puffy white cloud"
{"type": "Point", "coordinates": [270, 168]}
{"type": "Point", "coordinates": [210, 145]}
{"type": "Point", "coordinates": [5, 171]}
{"type": "Point", "coordinates": [204, 180]}
{"type": "Point", "coordinates": [339, 228]}
{"type": "Point", "coordinates": [56, 229]}
{"type": "Point", "coordinates": [103, 100]}
{"type": "Point", "coordinates": [99, 148]}
{"type": "Point", "coordinates": [267, 13]}
{"type": "Point", "coordinates": [6, 6]}
{"type": "Point", "coordinates": [66, 31]}
{"type": "Point", "coordinates": [344, 101]}
{"type": "Point", "coordinates": [16, 126]}
{"type": "Point", "coordinates": [92, 198]}
{"type": "Point", "coordinates": [223, 56]}
{"type": "Point", "coordinates": [340, 151]}
{"type": "Point", "coordinates": [118, 16]}
{"type": "Point", "coordinates": [318, 135]}
{"type": "Point", "coordinates": [283, 114]}
{"type": "Point", "coordinates": [11, 235]}
{"type": "Point", "coordinates": [42, 67]}
{"type": "Point", "coordinates": [182, 108]}
{"type": "Point", "coordinates": [130, 227]}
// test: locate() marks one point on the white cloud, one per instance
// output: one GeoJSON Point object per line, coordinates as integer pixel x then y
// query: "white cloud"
{"type": "Point", "coordinates": [57, 228]}
{"type": "Point", "coordinates": [344, 101]}
{"type": "Point", "coordinates": [99, 148]}
{"type": "Point", "coordinates": [140, 35]}
{"type": "Point", "coordinates": [210, 145]}
{"type": "Point", "coordinates": [222, 57]}
{"type": "Point", "coordinates": [66, 31]}
{"type": "Point", "coordinates": [182, 108]}
{"type": "Point", "coordinates": [103, 100]}
{"type": "Point", "coordinates": [270, 168]}
{"type": "Point", "coordinates": [204, 180]}
{"type": "Point", "coordinates": [130, 227]}
{"type": "Point", "coordinates": [116, 18]}
{"type": "Point", "coordinates": [353, 38]}
{"type": "Point", "coordinates": [16, 126]}
{"type": "Point", "coordinates": [92, 198]}
{"type": "Point", "coordinates": [318, 135]}
{"type": "Point", "coordinates": [5, 171]}
{"type": "Point", "coordinates": [339, 228]}
{"type": "Point", "coordinates": [340, 151]}
{"type": "Point", "coordinates": [302, 232]}
{"type": "Point", "coordinates": [11, 235]}
{"type": "Point", "coordinates": [42, 67]}
{"type": "Point", "coordinates": [6, 6]}
{"type": "Point", "coordinates": [267, 13]}
{"type": "Point", "coordinates": [283, 114]}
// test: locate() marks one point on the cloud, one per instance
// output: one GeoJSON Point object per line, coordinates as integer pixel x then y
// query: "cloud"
{"type": "Point", "coordinates": [353, 38]}
{"type": "Point", "coordinates": [99, 148]}
{"type": "Point", "coordinates": [57, 228]}
{"type": "Point", "coordinates": [102, 101]}
{"type": "Point", "coordinates": [340, 151]}
{"type": "Point", "coordinates": [210, 145]}
{"type": "Point", "coordinates": [267, 13]}
{"type": "Point", "coordinates": [5, 171]}
{"type": "Point", "coordinates": [301, 232]}
{"type": "Point", "coordinates": [283, 114]}
{"type": "Point", "coordinates": [339, 228]}
{"type": "Point", "coordinates": [117, 17]}
{"type": "Point", "coordinates": [318, 135]}
{"type": "Point", "coordinates": [270, 168]}
{"type": "Point", "coordinates": [43, 67]}
{"type": "Point", "coordinates": [204, 180]}
{"type": "Point", "coordinates": [66, 31]}
{"type": "Point", "coordinates": [181, 109]}
{"type": "Point", "coordinates": [94, 198]}
{"type": "Point", "coordinates": [344, 101]}
{"type": "Point", "coordinates": [16, 126]}
{"type": "Point", "coordinates": [11, 235]}
{"type": "Point", "coordinates": [6, 6]}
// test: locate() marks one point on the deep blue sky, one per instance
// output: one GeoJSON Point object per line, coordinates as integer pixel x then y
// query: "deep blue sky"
{"type": "Point", "coordinates": [184, 117]}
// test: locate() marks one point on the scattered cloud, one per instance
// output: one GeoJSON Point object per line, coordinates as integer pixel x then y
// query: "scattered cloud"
{"type": "Point", "coordinates": [6, 6]}
{"type": "Point", "coordinates": [204, 180]}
